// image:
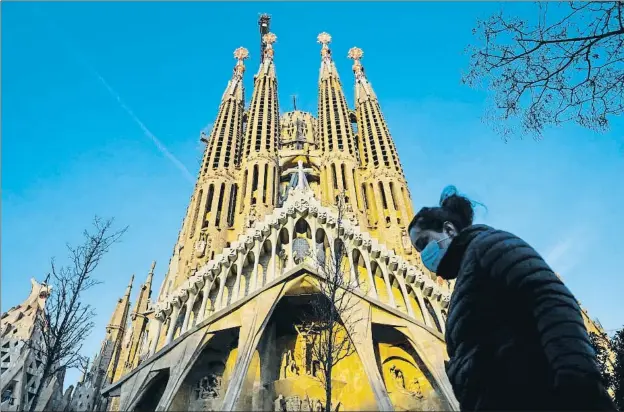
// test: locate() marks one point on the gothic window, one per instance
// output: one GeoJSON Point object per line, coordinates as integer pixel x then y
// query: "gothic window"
{"type": "Point", "coordinates": [264, 189]}
{"type": "Point", "coordinates": [232, 207]}
{"type": "Point", "coordinates": [383, 196]}
{"type": "Point", "coordinates": [219, 205]}
{"type": "Point", "coordinates": [394, 203]}
{"type": "Point", "coordinates": [344, 176]}
{"type": "Point", "coordinates": [275, 183]}
{"type": "Point", "coordinates": [208, 207]}
{"type": "Point", "coordinates": [334, 177]}
{"type": "Point", "coordinates": [254, 185]}
{"type": "Point", "coordinates": [364, 196]}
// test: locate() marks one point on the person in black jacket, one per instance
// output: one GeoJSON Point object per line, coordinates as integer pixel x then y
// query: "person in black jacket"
{"type": "Point", "coordinates": [514, 333]}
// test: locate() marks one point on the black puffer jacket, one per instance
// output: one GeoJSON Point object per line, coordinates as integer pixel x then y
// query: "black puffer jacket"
{"type": "Point", "coordinates": [515, 335]}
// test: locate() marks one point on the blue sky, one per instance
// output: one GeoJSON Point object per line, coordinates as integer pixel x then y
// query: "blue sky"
{"type": "Point", "coordinates": [71, 150]}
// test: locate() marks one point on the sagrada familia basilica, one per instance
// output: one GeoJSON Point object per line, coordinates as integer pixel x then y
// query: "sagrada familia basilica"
{"type": "Point", "coordinates": [224, 330]}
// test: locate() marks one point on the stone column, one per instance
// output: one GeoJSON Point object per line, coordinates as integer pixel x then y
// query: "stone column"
{"type": "Point", "coordinates": [354, 274]}
{"type": "Point", "coordinates": [423, 308]}
{"type": "Point", "coordinates": [155, 327]}
{"type": "Point", "coordinates": [408, 305]}
{"type": "Point", "coordinates": [189, 308]}
{"type": "Point", "coordinates": [372, 291]}
{"type": "Point", "coordinates": [273, 265]}
{"type": "Point", "coordinates": [254, 275]}
{"type": "Point", "coordinates": [222, 274]}
{"type": "Point", "coordinates": [239, 271]}
{"type": "Point", "coordinates": [172, 324]}
{"type": "Point", "coordinates": [202, 309]}
{"type": "Point", "coordinates": [291, 235]}
{"type": "Point", "coordinates": [384, 272]}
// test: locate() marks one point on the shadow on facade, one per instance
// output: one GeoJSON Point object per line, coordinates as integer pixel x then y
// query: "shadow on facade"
{"type": "Point", "coordinates": [153, 393]}
{"type": "Point", "coordinates": [204, 386]}
{"type": "Point", "coordinates": [409, 383]}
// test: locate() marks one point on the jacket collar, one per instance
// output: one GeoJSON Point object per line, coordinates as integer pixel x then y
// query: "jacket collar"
{"type": "Point", "coordinates": [451, 262]}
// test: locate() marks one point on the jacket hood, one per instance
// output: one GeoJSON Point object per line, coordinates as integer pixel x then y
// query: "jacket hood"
{"type": "Point", "coordinates": [450, 263]}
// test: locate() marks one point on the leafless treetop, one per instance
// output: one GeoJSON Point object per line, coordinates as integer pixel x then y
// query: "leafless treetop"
{"type": "Point", "coordinates": [566, 66]}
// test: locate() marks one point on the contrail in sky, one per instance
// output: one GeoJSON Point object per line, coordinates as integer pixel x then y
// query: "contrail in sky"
{"type": "Point", "coordinates": [159, 145]}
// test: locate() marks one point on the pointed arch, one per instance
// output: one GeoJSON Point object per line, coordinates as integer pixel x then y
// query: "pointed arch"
{"type": "Point", "coordinates": [208, 207]}
{"type": "Point", "coordinates": [178, 322]}
{"type": "Point", "coordinates": [228, 289]}
{"type": "Point", "coordinates": [245, 286]}
{"type": "Point", "coordinates": [399, 299]}
{"type": "Point", "coordinates": [412, 298]}
{"type": "Point", "coordinates": [433, 315]}
{"type": "Point", "coordinates": [360, 269]}
{"type": "Point", "coordinates": [380, 283]}
{"type": "Point", "coordinates": [195, 309]}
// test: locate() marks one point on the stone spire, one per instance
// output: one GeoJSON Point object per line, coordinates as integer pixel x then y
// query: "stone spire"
{"type": "Point", "coordinates": [211, 208]}
{"type": "Point", "coordinates": [378, 146]}
{"type": "Point", "coordinates": [384, 187]}
{"type": "Point", "coordinates": [116, 328]}
{"type": "Point", "coordinates": [338, 142]}
{"type": "Point", "coordinates": [138, 327]}
{"type": "Point", "coordinates": [260, 143]}
{"type": "Point", "coordinates": [227, 130]}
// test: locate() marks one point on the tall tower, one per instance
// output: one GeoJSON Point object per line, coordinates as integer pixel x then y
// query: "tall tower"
{"type": "Point", "coordinates": [337, 140]}
{"type": "Point", "coordinates": [382, 185]}
{"type": "Point", "coordinates": [259, 161]}
{"type": "Point", "coordinates": [264, 24]}
{"type": "Point", "coordinates": [211, 211]}
{"type": "Point", "coordinates": [115, 332]}
{"type": "Point", "coordinates": [138, 329]}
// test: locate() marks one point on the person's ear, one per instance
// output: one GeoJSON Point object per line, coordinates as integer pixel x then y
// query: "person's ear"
{"type": "Point", "coordinates": [449, 229]}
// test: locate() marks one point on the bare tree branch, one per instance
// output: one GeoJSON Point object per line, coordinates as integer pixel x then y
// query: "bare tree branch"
{"type": "Point", "coordinates": [67, 319]}
{"type": "Point", "coordinates": [566, 67]}
{"type": "Point", "coordinates": [330, 327]}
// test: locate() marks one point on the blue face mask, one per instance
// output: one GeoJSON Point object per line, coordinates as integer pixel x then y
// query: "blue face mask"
{"type": "Point", "coordinates": [432, 254]}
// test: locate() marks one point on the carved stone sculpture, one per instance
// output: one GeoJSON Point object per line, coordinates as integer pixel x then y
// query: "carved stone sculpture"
{"type": "Point", "coordinates": [280, 404]}
{"type": "Point", "coordinates": [397, 374]}
{"type": "Point", "coordinates": [200, 246]}
{"type": "Point", "coordinates": [208, 387]}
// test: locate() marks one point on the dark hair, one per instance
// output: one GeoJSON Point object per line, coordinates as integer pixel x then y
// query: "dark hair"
{"type": "Point", "coordinates": [454, 208]}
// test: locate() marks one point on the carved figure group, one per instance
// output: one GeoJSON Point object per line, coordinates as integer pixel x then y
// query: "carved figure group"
{"type": "Point", "coordinates": [208, 387]}
{"type": "Point", "coordinates": [289, 365]}
{"type": "Point", "coordinates": [397, 374]}
{"type": "Point", "coordinates": [295, 404]}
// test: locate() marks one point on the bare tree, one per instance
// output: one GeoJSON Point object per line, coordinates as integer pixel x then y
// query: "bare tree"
{"type": "Point", "coordinates": [610, 356]}
{"type": "Point", "coordinates": [67, 319]}
{"type": "Point", "coordinates": [566, 66]}
{"type": "Point", "coordinates": [331, 324]}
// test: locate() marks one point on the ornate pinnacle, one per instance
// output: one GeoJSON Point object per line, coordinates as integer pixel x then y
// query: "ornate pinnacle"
{"type": "Point", "coordinates": [269, 38]}
{"type": "Point", "coordinates": [241, 54]}
{"type": "Point", "coordinates": [355, 53]}
{"type": "Point", "coordinates": [324, 38]}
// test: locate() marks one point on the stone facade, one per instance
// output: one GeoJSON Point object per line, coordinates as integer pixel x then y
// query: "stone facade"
{"type": "Point", "coordinates": [21, 367]}
{"type": "Point", "coordinates": [225, 331]}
